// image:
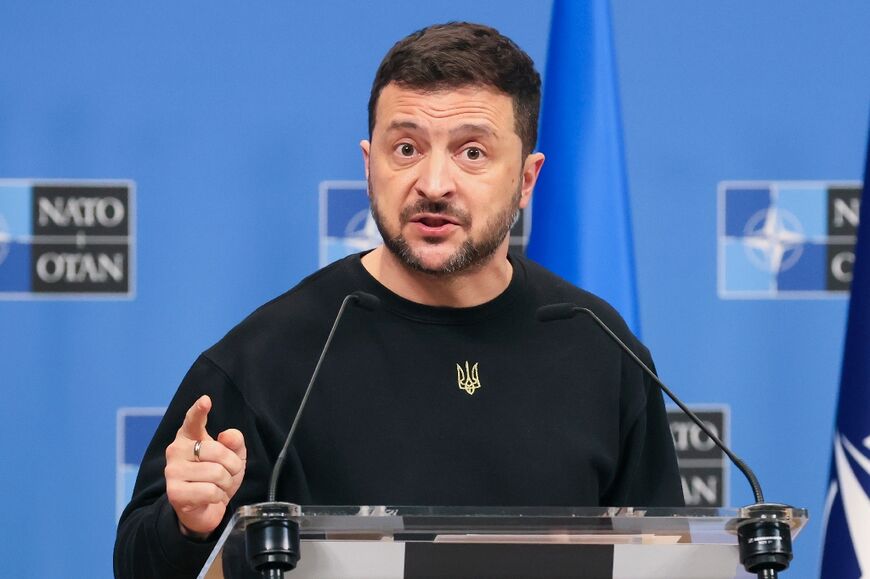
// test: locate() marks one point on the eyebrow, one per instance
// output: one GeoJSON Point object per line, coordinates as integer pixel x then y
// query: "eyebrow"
{"type": "Point", "coordinates": [411, 125]}
{"type": "Point", "coordinates": [472, 128]}
{"type": "Point", "coordinates": [461, 129]}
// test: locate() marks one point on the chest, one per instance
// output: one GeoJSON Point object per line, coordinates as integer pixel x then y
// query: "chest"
{"type": "Point", "coordinates": [455, 416]}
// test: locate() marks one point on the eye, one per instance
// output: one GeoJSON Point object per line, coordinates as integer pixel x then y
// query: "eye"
{"type": "Point", "coordinates": [406, 149]}
{"type": "Point", "coordinates": [473, 154]}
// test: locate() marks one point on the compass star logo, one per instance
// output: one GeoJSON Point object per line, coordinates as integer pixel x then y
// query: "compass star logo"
{"type": "Point", "coordinates": [774, 239]}
{"type": "Point", "coordinates": [786, 239]}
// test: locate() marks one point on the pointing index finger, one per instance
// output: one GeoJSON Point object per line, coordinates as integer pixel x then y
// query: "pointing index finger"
{"type": "Point", "coordinates": [193, 427]}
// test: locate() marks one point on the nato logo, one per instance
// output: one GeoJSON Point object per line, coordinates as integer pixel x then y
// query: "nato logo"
{"type": "Point", "coordinates": [786, 239]}
{"type": "Point", "coordinates": [347, 226]}
{"type": "Point", "coordinates": [704, 468]}
{"type": "Point", "coordinates": [65, 239]}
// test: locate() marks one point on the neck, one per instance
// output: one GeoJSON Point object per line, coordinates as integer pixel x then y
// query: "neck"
{"type": "Point", "coordinates": [461, 290]}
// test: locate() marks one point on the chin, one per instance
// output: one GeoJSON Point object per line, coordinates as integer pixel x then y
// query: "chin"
{"type": "Point", "coordinates": [433, 262]}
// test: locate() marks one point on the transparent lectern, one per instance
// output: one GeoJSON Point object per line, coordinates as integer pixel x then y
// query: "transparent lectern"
{"type": "Point", "coordinates": [386, 542]}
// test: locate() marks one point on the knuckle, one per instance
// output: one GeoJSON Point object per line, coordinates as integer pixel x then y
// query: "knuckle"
{"type": "Point", "coordinates": [236, 468]}
{"type": "Point", "coordinates": [213, 471]}
{"type": "Point", "coordinates": [223, 476]}
{"type": "Point", "coordinates": [170, 472]}
{"type": "Point", "coordinates": [228, 459]}
{"type": "Point", "coordinates": [217, 494]}
{"type": "Point", "coordinates": [172, 490]}
{"type": "Point", "coordinates": [174, 450]}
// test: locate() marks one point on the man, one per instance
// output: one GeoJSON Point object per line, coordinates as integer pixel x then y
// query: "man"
{"type": "Point", "coordinates": [451, 393]}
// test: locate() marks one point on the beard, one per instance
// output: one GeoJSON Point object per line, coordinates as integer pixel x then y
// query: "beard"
{"type": "Point", "coordinates": [472, 254]}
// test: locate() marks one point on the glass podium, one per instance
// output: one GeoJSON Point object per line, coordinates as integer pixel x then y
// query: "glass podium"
{"type": "Point", "coordinates": [389, 542]}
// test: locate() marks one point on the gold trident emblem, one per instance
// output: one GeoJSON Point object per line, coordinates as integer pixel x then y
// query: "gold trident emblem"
{"type": "Point", "coordinates": [467, 379]}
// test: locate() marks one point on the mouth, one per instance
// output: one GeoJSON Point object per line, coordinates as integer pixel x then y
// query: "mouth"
{"type": "Point", "coordinates": [434, 219]}
{"type": "Point", "coordinates": [434, 223]}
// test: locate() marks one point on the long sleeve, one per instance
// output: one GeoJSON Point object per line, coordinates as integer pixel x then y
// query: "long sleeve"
{"type": "Point", "coordinates": [149, 543]}
{"type": "Point", "coordinates": [647, 474]}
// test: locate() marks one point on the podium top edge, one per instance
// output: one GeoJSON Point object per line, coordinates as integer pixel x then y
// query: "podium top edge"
{"type": "Point", "coordinates": [292, 510]}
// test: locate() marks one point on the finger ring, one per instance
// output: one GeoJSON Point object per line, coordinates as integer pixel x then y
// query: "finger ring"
{"type": "Point", "coordinates": [196, 448]}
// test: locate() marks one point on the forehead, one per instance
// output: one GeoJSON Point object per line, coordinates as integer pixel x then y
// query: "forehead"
{"type": "Point", "coordinates": [432, 109]}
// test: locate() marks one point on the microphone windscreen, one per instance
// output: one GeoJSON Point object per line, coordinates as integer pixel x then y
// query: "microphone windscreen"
{"type": "Point", "coordinates": [366, 300]}
{"type": "Point", "coordinates": [556, 312]}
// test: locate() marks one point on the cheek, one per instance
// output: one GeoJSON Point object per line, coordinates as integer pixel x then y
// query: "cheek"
{"type": "Point", "coordinates": [380, 171]}
{"type": "Point", "coordinates": [496, 186]}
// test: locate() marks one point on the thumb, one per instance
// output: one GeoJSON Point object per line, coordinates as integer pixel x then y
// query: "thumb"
{"type": "Point", "coordinates": [193, 427]}
{"type": "Point", "coordinates": [234, 440]}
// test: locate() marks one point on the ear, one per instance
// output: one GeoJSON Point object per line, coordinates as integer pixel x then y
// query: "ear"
{"type": "Point", "coordinates": [366, 147]}
{"type": "Point", "coordinates": [531, 170]}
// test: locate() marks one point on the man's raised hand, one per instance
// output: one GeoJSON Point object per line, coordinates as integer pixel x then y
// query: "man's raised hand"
{"type": "Point", "coordinates": [200, 487]}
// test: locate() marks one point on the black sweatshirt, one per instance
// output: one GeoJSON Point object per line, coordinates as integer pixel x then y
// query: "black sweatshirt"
{"type": "Point", "coordinates": [557, 415]}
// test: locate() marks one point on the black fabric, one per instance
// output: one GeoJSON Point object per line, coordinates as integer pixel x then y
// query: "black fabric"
{"type": "Point", "coordinates": [561, 417]}
{"type": "Point", "coordinates": [507, 561]}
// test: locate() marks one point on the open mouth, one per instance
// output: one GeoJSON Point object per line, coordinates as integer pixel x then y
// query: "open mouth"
{"type": "Point", "coordinates": [434, 221]}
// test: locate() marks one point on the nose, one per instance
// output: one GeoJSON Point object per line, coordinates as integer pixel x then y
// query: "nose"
{"type": "Point", "coordinates": [435, 180]}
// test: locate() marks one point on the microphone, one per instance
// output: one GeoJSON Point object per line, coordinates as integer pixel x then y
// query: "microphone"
{"type": "Point", "coordinates": [364, 300]}
{"type": "Point", "coordinates": [272, 546]}
{"type": "Point", "coordinates": [765, 540]}
{"type": "Point", "coordinates": [556, 312]}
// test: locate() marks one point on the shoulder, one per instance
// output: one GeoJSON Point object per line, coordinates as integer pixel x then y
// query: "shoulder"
{"type": "Point", "coordinates": [300, 313]}
{"type": "Point", "coordinates": [546, 288]}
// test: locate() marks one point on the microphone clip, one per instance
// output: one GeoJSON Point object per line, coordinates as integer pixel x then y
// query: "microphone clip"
{"type": "Point", "coordinates": [272, 544]}
{"type": "Point", "coordinates": [764, 539]}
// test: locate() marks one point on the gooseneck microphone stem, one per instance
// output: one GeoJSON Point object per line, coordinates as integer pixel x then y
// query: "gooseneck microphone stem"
{"type": "Point", "coordinates": [564, 311]}
{"type": "Point", "coordinates": [763, 533]}
{"type": "Point", "coordinates": [272, 544]}
{"type": "Point", "coordinates": [362, 299]}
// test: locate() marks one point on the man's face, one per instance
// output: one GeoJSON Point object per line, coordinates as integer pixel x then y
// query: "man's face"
{"type": "Point", "coordinates": [446, 175]}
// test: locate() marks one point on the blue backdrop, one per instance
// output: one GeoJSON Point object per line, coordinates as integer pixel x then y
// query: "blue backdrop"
{"type": "Point", "coordinates": [227, 117]}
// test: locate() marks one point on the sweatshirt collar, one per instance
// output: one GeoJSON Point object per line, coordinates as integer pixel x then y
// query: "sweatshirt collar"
{"type": "Point", "coordinates": [398, 305]}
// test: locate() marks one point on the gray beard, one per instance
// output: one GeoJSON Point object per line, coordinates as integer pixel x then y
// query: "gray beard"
{"type": "Point", "coordinates": [469, 256]}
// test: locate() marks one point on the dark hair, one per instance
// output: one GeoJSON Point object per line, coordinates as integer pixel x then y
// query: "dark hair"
{"type": "Point", "coordinates": [460, 54]}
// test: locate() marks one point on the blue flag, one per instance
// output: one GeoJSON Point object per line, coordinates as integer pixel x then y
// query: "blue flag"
{"type": "Point", "coordinates": [847, 508]}
{"type": "Point", "coordinates": [581, 223]}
